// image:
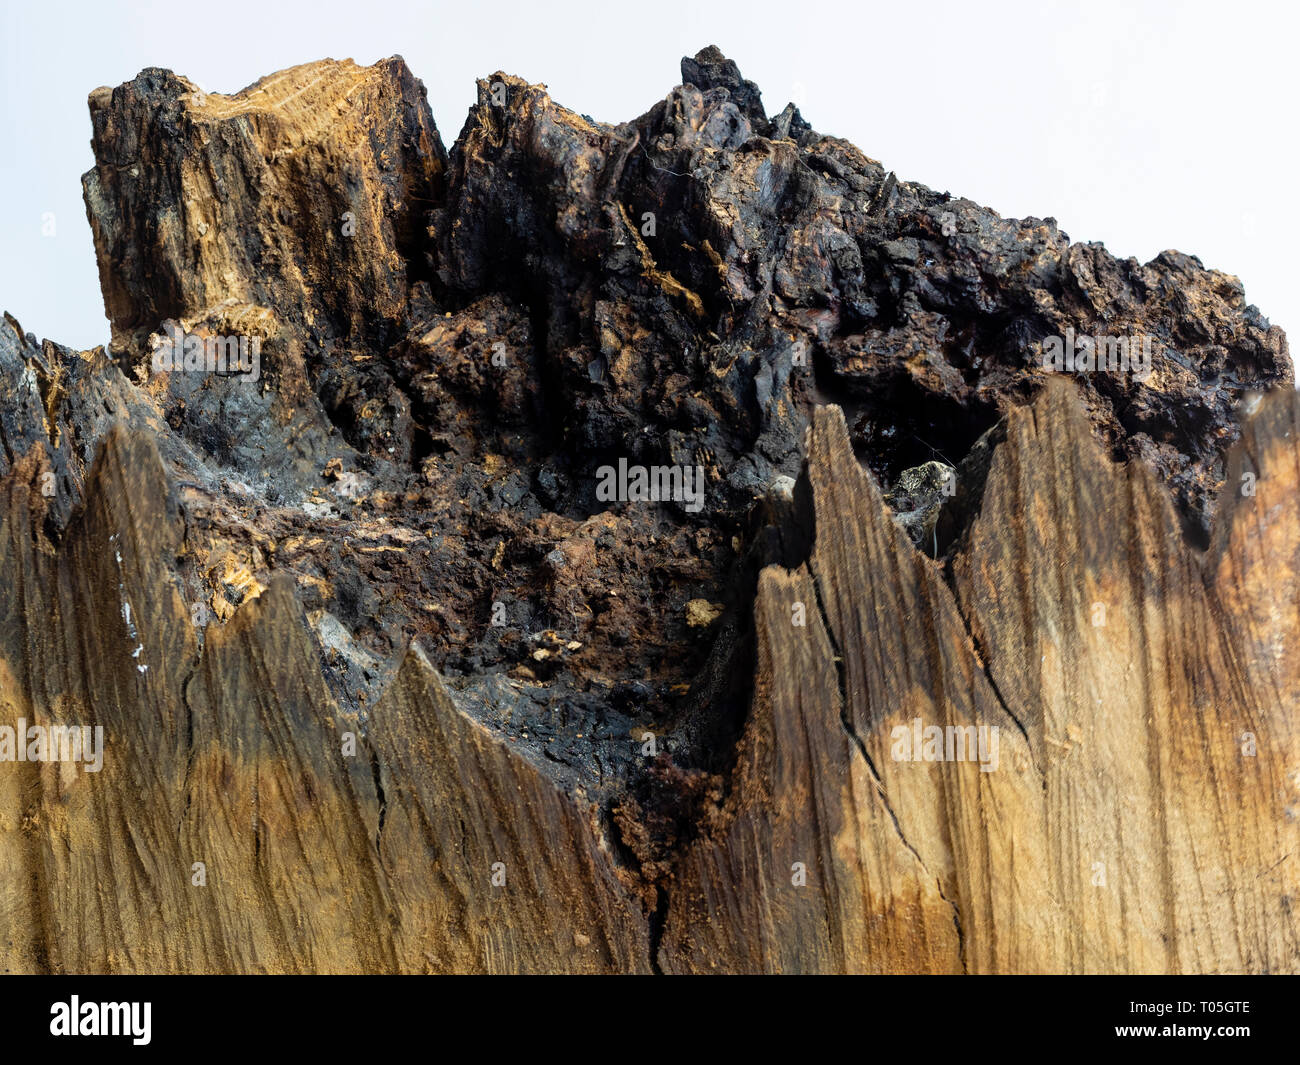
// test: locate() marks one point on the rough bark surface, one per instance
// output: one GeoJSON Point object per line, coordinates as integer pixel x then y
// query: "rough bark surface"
{"type": "Point", "coordinates": [368, 642]}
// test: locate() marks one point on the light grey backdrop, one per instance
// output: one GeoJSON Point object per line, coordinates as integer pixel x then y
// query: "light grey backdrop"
{"type": "Point", "coordinates": [1141, 124]}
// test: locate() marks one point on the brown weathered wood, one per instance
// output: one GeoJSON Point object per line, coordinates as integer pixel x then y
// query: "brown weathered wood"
{"type": "Point", "coordinates": [388, 685]}
{"type": "Point", "coordinates": [1124, 829]}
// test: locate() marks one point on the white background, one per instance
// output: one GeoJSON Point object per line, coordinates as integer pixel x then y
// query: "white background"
{"type": "Point", "coordinates": [1140, 124]}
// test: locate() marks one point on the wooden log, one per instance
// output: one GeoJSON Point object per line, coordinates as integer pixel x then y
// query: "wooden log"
{"type": "Point", "coordinates": [354, 665]}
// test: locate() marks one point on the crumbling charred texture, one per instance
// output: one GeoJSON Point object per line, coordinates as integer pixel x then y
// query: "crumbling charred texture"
{"type": "Point", "coordinates": [389, 682]}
